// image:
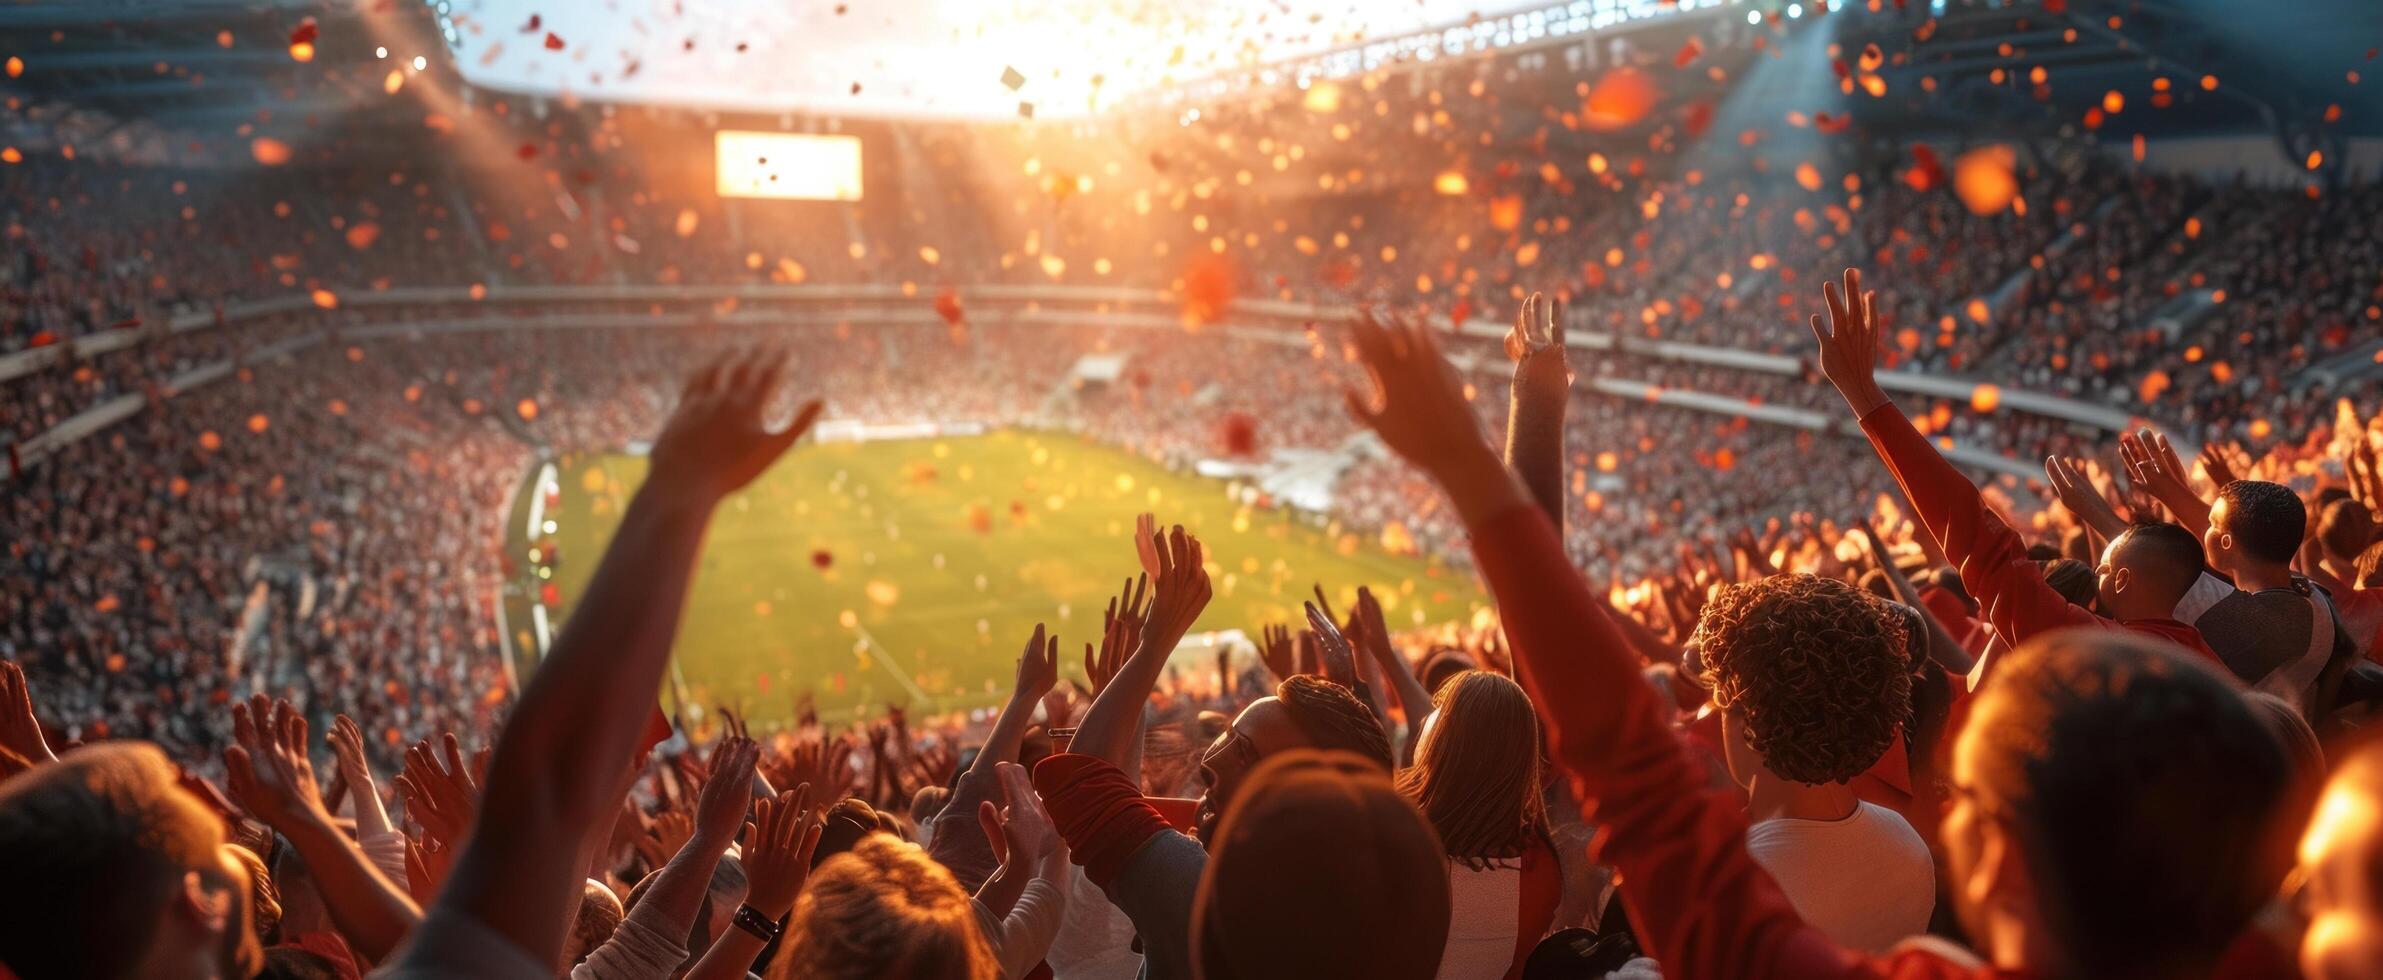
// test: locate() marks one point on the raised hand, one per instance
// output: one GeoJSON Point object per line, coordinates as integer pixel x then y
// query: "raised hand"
{"type": "Point", "coordinates": [1121, 631]}
{"type": "Point", "coordinates": [440, 793]}
{"type": "Point", "coordinates": [778, 847]}
{"type": "Point", "coordinates": [714, 442]}
{"type": "Point", "coordinates": [824, 764]}
{"type": "Point", "coordinates": [1538, 331]}
{"type": "Point", "coordinates": [1180, 591]}
{"type": "Point", "coordinates": [20, 732]}
{"type": "Point", "coordinates": [1849, 343]}
{"type": "Point", "coordinates": [1340, 662]}
{"type": "Point", "coordinates": [346, 739]}
{"type": "Point", "coordinates": [721, 808]}
{"type": "Point", "coordinates": [1418, 404]}
{"type": "Point", "coordinates": [672, 830]}
{"type": "Point", "coordinates": [2153, 465]}
{"type": "Point", "coordinates": [269, 773]}
{"type": "Point", "coordinates": [2075, 491]}
{"type": "Point", "coordinates": [2216, 462]}
{"type": "Point", "coordinates": [1276, 652]}
{"type": "Point", "coordinates": [1021, 833]}
{"type": "Point", "coordinates": [1146, 543]}
{"type": "Point", "coordinates": [1038, 667]}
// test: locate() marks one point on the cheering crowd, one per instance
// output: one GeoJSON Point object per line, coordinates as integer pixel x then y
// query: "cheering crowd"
{"type": "Point", "coordinates": [1859, 743]}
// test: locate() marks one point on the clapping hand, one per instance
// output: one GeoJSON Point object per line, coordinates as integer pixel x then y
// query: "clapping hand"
{"type": "Point", "coordinates": [269, 773]}
{"type": "Point", "coordinates": [2075, 491]}
{"type": "Point", "coordinates": [720, 810]}
{"type": "Point", "coordinates": [1038, 667]}
{"type": "Point", "coordinates": [1021, 833]}
{"type": "Point", "coordinates": [20, 732]}
{"type": "Point", "coordinates": [1180, 591]}
{"type": "Point", "coordinates": [1121, 631]}
{"type": "Point", "coordinates": [778, 848]}
{"type": "Point", "coordinates": [1276, 652]}
{"type": "Point", "coordinates": [439, 793]}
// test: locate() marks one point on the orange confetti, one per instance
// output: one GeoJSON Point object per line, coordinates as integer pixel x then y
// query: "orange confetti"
{"type": "Point", "coordinates": [362, 234]}
{"type": "Point", "coordinates": [1451, 183]}
{"type": "Point", "coordinates": [302, 52]}
{"type": "Point", "coordinates": [209, 441]}
{"type": "Point", "coordinates": [326, 299]}
{"type": "Point", "coordinates": [1505, 212]}
{"type": "Point", "coordinates": [1808, 176]}
{"type": "Point", "coordinates": [1985, 398]}
{"type": "Point", "coordinates": [527, 409]}
{"type": "Point", "coordinates": [269, 151]}
{"type": "Point", "coordinates": [1621, 98]}
{"type": "Point", "coordinates": [16, 66]}
{"type": "Point", "coordinates": [1984, 179]}
{"type": "Point", "coordinates": [259, 423]}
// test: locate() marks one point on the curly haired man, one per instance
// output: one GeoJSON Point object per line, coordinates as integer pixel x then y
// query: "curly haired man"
{"type": "Point", "coordinates": [1811, 680]}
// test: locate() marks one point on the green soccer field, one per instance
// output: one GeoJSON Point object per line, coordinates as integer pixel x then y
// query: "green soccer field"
{"type": "Point", "coordinates": [911, 571]}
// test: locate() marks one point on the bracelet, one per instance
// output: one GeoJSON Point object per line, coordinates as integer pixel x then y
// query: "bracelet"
{"type": "Point", "coordinates": [752, 920]}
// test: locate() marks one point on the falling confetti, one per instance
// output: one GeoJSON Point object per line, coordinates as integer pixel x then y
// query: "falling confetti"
{"type": "Point", "coordinates": [1984, 179]}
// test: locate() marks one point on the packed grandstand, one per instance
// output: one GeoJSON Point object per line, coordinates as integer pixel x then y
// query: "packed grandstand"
{"type": "Point", "coordinates": [268, 394]}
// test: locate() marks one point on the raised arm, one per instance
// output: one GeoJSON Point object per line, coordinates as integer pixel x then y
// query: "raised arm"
{"type": "Point", "coordinates": [1990, 555]}
{"type": "Point", "coordinates": [580, 716]}
{"type": "Point", "coordinates": [778, 848]}
{"type": "Point", "coordinates": [1038, 672]}
{"type": "Point", "coordinates": [1700, 904]}
{"type": "Point", "coordinates": [1942, 648]}
{"type": "Point", "coordinates": [2075, 491]}
{"type": "Point", "coordinates": [1537, 397]}
{"type": "Point", "coordinates": [271, 777]}
{"type": "Point", "coordinates": [648, 940]}
{"type": "Point", "coordinates": [1178, 592]}
{"type": "Point", "coordinates": [1413, 701]}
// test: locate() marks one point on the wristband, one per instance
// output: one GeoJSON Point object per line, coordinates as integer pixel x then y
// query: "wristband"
{"type": "Point", "coordinates": [752, 920]}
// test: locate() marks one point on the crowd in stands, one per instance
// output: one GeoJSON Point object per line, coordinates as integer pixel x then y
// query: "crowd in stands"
{"type": "Point", "coordinates": [1753, 701]}
{"type": "Point", "coordinates": [1849, 743]}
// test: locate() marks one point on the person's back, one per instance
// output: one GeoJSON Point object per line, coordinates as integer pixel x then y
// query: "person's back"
{"type": "Point", "coordinates": [2275, 631]}
{"type": "Point", "coordinates": [1811, 678]}
{"type": "Point", "coordinates": [1477, 778]}
{"type": "Point", "coordinates": [1865, 881]}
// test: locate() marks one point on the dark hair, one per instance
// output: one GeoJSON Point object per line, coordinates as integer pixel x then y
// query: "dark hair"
{"type": "Point", "coordinates": [1477, 777]}
{"type": "Point", "coordinates": [2345, 526]}
{"type": "Point", "coordinates": [95, 844]}
{"type": "Point", "coordinates": [292, 963]}
{"type": "Point", "coordinates": [2169, 552]}
{"type": "Point", "coordinates": [1332, 718]}
{"type": "Point", "coordinates": [1815, 669]}
{"type": "Point", "coordinates": [2073, 579]}
{"type": "Point", "coordinates": [2266, 519]}
{"type": "Point", "coordinates": [2144, 793]}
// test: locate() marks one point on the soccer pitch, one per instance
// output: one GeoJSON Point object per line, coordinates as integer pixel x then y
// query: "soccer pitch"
{"type": "Point", "coordinates": [911, 571]}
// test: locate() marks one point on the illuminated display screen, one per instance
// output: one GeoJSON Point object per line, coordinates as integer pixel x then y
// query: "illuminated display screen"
{"type": "Point", "coordinates": [788, 165]}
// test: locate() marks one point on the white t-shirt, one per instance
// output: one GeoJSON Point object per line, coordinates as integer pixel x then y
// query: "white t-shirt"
{"type": "Point", "coordinates": [1865, 881]}
{"type": "Point", "coordinates": [1485, 908]}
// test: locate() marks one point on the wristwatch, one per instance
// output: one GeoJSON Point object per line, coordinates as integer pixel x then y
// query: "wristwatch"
{"type": "Point", "coordinates": [754, 921]}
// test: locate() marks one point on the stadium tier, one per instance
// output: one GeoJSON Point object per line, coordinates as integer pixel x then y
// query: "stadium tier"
{"type": "Point", "coordinates": [1314, 488]}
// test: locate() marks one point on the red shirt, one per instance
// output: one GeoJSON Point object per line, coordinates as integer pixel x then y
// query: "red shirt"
{"type": "Point", "coordinates": [1700, 904]}
{"type": "Point", "coordinates": [1991, 557]}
